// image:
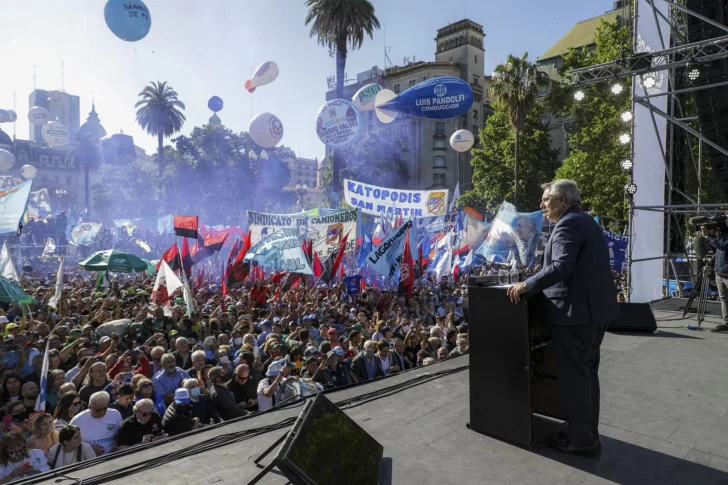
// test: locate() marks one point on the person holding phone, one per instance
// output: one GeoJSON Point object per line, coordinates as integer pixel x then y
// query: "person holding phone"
{"type": "Point", "coordinates": [17, 461]}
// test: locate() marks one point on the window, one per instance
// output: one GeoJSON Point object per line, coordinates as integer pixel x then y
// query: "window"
{"type": "Point", "coordinates": [440, 143]}
{"type": "Point", "coordinates": [396, 88]}
{"type": "Point", "coordinates": [475, 114]}
{"type": "Point", "coordinates": [476, 80]}
{"type": "Point", "coordinates": [475, 129]}
{"type": "Point", "coordinates": [68, 181]}
{"type": "Point", "coordinates": [439, 161]}
{"type": "Point", "coordinates": [439, 127]}
{"type": "Point", "coordinates": [438, 179]}
{"type": "Point", "coordinates": [299, 174]}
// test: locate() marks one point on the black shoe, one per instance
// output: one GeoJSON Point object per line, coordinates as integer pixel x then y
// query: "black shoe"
{"type": "Point", "coordinates": [720, 328]}
{"type": "Point", "coordinates": [589, 451]}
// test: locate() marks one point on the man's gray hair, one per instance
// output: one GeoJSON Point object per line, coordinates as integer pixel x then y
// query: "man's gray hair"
{"type": "Point", "coordinates": [145, 403]}
{"type": "Point", "coordinates": [100, 398]}
{"type": "Point", "coordinates": [564, 187]}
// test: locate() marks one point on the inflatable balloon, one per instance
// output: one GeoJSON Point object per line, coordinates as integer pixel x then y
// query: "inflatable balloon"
{"type": "Point", "coordinates": [215, 104]}
{"type": "Point", "coordinates": [129, 20]}
{"type": "Point", "coordinates": [266, 130]}
{"type": "Point", "coordinates": [265, 74]}
{"type": "Point", "coordinates": [28, 172]}
{"type": "Point", "coordinates": [55, 95]}
{"type": "Point", "coordinates": [7, 160]}
{"type": "Point", "coordinates": [39, 116]}
{"type": "Point", "coordinates": [439, 98]}
{"type": "Point", "coordinates": [339, 123]}
{"type": "Point", "coordinates": [382, 98]}
{"type": "Point", "coordinates": [55, 134]}
{"type": "Point", "coordinates": [462, 141]}
{"type": "Point", "coordinates": [365, 97]}
{"type": "Point", "coordinates": [4, 116]}
{"type": "Point", "coordinates": [13, 116]}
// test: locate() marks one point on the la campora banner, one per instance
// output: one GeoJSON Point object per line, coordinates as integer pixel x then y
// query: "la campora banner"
{"type": "Point", "coordinates": [374, 200]}
{"type": "Point", "coordinates": [326, 232]}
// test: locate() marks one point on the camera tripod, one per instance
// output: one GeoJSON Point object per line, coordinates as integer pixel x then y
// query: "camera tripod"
{"type": "Point", "coordinates": [701, 290]}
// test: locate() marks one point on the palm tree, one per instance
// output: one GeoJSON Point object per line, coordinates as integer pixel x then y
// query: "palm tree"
{"type": "Point", "coordinates": [516, 84]}
{"type": "Point", "coordinates": [159, 113]}
{"type": "Point", "coordinates": [86, 153]}
{"type": "Point", "coordinates": [340, 25]}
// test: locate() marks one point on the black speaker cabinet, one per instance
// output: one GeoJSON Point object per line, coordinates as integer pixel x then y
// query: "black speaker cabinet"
{"type": "Point", "coordinates": [636, 317]}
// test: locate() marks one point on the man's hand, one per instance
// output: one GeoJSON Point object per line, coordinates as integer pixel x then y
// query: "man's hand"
{"type": "Point", "coordinates": [705, 231]}
{"type": "Point", "coordinates": [98, 449]}
{"type": "Point", "coordinates": [515, 292]}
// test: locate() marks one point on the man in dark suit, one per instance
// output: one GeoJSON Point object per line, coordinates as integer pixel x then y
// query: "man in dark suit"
{"type": "Point", "coordinates": [576, 295]}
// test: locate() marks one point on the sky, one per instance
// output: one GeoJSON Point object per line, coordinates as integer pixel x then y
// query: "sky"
{"type": "Point", "coordinates": [210, 48]}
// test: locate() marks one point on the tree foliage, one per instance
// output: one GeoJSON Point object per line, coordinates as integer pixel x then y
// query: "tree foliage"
{"type": "Point", "coordinates": [493, 163]}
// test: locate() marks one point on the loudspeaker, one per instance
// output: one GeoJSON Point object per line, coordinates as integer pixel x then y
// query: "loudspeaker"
{"type": "Point", "coordinates": [636, 317]}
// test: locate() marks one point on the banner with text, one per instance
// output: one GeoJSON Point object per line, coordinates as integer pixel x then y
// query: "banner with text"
{"type": "Point", "coordinates": [326, 232]}
{"type": "Point", "coordinates": [617, 244]}
{"type": "Point", "coordinates": [386, 258]}
{"type": "Point", "coordinates": [374, 200]}
{"type": "Point", "coordinates": [262, 224]}
{"type": "Point", "coordinates": [13, 201]}
{"type": "Point", "coordinates": [281, 251]}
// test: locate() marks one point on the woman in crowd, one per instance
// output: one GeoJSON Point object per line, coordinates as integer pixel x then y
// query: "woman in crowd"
{"type": "Point", "coordinates": [56, 378]}
{"type": "Point", "coordinates": [43, 434]}
{"type": "Point", "coordinates": [68, 406]}
{"type": "Point", "coordinates": [17, 461]}
{"type": "Point", "coordinates": [11, 388]}
{"type": "Point", "coordinates": [19, 414]}
{"type": "Point", "coordinates": [69, 449]}
{"type": "Point", "coordinates": [145, 390]}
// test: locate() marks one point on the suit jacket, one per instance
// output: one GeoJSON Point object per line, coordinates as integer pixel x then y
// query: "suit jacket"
{"type": "Point", "coordinates": [575, 286]}
{"type": "Point", "coordinates": [359, 367]}
{"type": "Point", "coordinates": [223, 401]}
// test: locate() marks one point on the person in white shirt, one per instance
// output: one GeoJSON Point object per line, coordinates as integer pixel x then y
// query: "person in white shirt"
{"type": "Point", "coordinates": [17, 461]}
{"type": "Point", "coordinates": [99, 424]}
{"type": "Point", "coordinates": [69, 449]}
{"type": "Point", "coordinates": [268, 387]}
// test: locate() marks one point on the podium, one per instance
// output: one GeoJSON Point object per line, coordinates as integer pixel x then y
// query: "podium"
{"type": "Point", "coordinates": [512, 369]}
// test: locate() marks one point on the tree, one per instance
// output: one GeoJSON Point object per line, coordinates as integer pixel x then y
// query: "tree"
{"type": "Point", "coordinates": [86, 153]}
{"type": "Point", "coordinates": [375, 159]}
{"type": "Point", "coordinates": [493, 163]}
{"type": "Point", "coordinates": [515, 85]}
{"type": "Point", "coordinates": [340, 25]}
{"type": "Point", "coordinates": [159, 113]}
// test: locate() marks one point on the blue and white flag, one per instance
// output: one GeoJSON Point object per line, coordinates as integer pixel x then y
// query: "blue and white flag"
{"type": "Point", "coordinates": [13, 202]}
{"type": "Point", "coordinates": [512, 236]}
{"type": "Point", "coordinates": [281, 251]}
{"type": "Point", "coordinates": [617, 244]}
{"type": "Point", "coordinates": [40, 403]}
{"type": "Point", "coordinates": [364, 250]}
{"type": "Point", "coordinates": [387, 256]}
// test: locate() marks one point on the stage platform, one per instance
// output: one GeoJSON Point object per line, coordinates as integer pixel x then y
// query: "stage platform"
{"type": "Point", "coordinates": [663, 421]}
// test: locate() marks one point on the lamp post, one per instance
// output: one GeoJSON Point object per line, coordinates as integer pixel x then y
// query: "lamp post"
{"type": "Point", "coordinates": [301, 191]}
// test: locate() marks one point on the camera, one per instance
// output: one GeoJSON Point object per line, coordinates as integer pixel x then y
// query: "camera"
{"type": "Point", "coordinates": [709, 222]}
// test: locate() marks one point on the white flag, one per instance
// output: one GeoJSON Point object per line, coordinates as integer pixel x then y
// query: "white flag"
{"type": "Point", "coordinates": [49, 248]}
{"type": "Point", "coordinates": [187, 294]}
{"type": "Point", "coordinates": [468, 259]}
{"type": "Point", "coordinates": [386, 258]}
{"type": "Point", "coordinates": [4, 255]}
{"type": "Point", "coordinates": [166, 283]}
{"type": "Point", "coordinates": [59, 287]}
{"type": "Point", "coordinates": [455, 196]}
{"type": "Point", "coordinates": [444, 266]}
{"type": "Point", "coordinates": [10, 272]}
{"type": "Point", "coordinates": [40, 402]}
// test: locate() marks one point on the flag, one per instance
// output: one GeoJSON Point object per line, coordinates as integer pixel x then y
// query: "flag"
{"type": "Point", "coordinates": [364, 250]}
{"type": "Point", "coordinates": [59, 287]}
{"type": "Point", "coordinates": [331, 265]}
{"type": "Point", "coordinates": [386, 258]}
{"type": "Point", "coordinates": [380, 232]}
{"type": "Point", "coordinates": [214, 244]}
{"type": "Point", "coordinates": [445, 264]}
{"type": "Point", "coordinates": [187, 260]}
{"type": "Point", "coordinates": [40, 402]}
{"type": "Point", "coordinates": [186, 226]}
{"type": "Point", "coordinates": [317, 268]}
{"type": "Point", "coordinates": [10, 272]}
{"type": "Point", "coordinates": [201, 277]}
{"type": "Point", "coordinates": [239, 269]}
{"type": "Point", "coordinates": [49, 248]}
{"type": "Point", "coordinates": [353, 284]}
{"type": "Point", "coordinates": [4, 255]}
{"type": "Point", "coordinates": [407, 270]}
{"type": "Point", "coordinates": [165, 285]}
{"type": "Point", "coordinates": [455, 197]}
{"type": "Point", "coordinates": [459, 224]}
{"type": "Point", "coordinates": [425, 248]}
{"type": "Point", "coordinates": [171, 257]}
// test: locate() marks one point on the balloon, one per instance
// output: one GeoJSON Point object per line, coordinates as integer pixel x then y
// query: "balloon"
{"type": "Point", "coordinates": [55, 95]}
{"type": "Point", "coordinates": [462, 141]}
{"type": "Point", "coordinates": [383, 97]}
{"type": "Point", "coordinates": [55, 134]}
{"type": "Point", "coordinates": [266, 130]}
{"type": "Point", "coordinates": [364, 98]}
{"type": "Point", "coordinates": [339, 123]}
{"type": "Point", "coordinates": [28, 171]}
{"type": "Point", "coordinates": [39, 116]}
{"type": "Point", "coordinates": [215, 104]}
{"type": "Point", "coordinates": [439, 98]}
{"type": "Point", "coordinates": [13, 116]}
{"type": "Point", "coordinates": [265, 74]}
{"type": "Point", "coordinates": [4, 116]}
{"type": "Point", "coordinates": [129, 20]}
{"type": "Point", "coordinates": [7, 160]}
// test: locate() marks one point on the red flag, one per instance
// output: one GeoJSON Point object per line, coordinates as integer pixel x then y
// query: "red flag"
{"type": "Point", "coordinates": [362, 284]}
{"type": "Point", "coordinates": [339, 256]}
{"type": "Point", "coordinates": [463, 249]}
{"type": "Point", "coordinates": [186, 226]}
{"type": "Point", "coordinates": [224, 289]}
{"type": "Point", "coordinates": [317, 267]}
{"type": "Point", "coordinates": [187, 261]}
{"type": "Point", "coordinates": [406, 269]}
{"type": "Point", "coordinates": [342, 273]}
{"type": "Point", "coordinates": [171, 257]}
{"type": "Point", "coordinates": [200, 278]}
{"type": "Point", "coordinates": [214, 243]}
{"type": "Point", "coordinates": [278, 276]}
{"type": "Point", "coordinates": [239, 270]}
{"type": "Point", "coordinates": [309, 250]}
{"type": "Point", "coordinates": [419, 260]}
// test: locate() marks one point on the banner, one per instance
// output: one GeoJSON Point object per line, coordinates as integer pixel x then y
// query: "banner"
{"type": "Point", "coordinates": [84, 234]}
{"type": "Point", "coordinates": [353, 284]}
{"type": "Point", "coordinates": [512, 235]}
{"type": "Point", "coordinates": [281, 251]}
{"type": "Point", "coordinates": [386, 258]}
{"type": "Point", "coordinates": [617, 244]}
{"type": "Point", "coordinates": [476, 231]}
{"type": "Point", "coordinates": [40, 202]}
{"type": "Point", "coordinates": [262, 224]}
{"type": "Point", "coordinates": [186, 226]}
{"type": "Point", "coordinates": [326, 232]}
{"type": "Point", "coordinates": [13, 201]}
{"type": "Point", "coordinates": [374, 200]}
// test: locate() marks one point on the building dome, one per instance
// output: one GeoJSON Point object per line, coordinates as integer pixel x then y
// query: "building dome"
{"type": "Point", "coordinates": [214, 120]}
{"type": "Point", "coordinates": [6, 142]}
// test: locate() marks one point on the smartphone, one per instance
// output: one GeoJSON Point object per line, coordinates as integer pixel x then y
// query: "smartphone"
{"type": "Point", "coordinates": [8, 421]}
{"type": "Point", "coordinates": [126, 376]}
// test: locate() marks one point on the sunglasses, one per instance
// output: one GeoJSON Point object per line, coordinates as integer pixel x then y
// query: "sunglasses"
{"type": "Point", "coordinates": [146, 385]}
{"type": "Point", "coordinates": [144, 415]}
{"type": "Point", "coordinates": [241, 378]}
{"type": "Point", "coordinates": [101, 410]}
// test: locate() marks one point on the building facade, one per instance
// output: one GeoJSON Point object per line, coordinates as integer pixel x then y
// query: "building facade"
{"type": "Point", "coordinates": [67, 110]}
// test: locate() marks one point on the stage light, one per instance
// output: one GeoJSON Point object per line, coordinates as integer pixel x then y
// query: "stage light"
{"type": "Point", "coordinates": [617, 89]}
{"type": "Point", "coordinates": [579, 95]}
{"type": "Point", "coordinates": [626, 116]}
{"type": "Point", "coordinates": [626, 164]}
{"type": "Point", "coordinates": [630, 188]}
{"type": "Point", "coordinates": [624, 138]}
{"type": "Point", "coordinates": [649, 81]}
{"type": "Point", "coordinates": [692, 71]}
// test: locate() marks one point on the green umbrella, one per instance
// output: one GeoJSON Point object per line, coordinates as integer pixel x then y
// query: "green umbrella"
{"type": "Point", "coordinates": [11, 292]}
{"type": "Point", "coordinates": [114, 261]}
{"type": "Point", "coordinates": [151, 266]}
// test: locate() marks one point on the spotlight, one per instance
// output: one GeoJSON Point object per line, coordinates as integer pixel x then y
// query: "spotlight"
{"type": "Point", "coordinates": [630, 188]}
{"type": "Point", "coordinates": [626, 164]}
{"type": "Point", "coordinates": [617, 88]}
{"type": "Point", "coordinates": [624, 138]}
{"type": "Point", "coordinates": [627, 116]}
{"type": "Point", "coordinates": [649, 81]}
{"type": "Point", "coordinates": [579, 95]}
{"type": "Point", "coordinates": [692, 71]}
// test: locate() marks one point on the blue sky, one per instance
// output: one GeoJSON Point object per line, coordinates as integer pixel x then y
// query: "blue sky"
{"type": "Point", "coordinates": [208, 48]}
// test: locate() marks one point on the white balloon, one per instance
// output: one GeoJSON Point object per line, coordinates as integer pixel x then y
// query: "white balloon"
{"type": "Point", "coordinates": [364, 98]}
{"type": "Point", "coordinates": [266, 130]}
{"type": "Point", "coordinates": [462, 141]}
{"type": "Point", "coordinates": [28, 171]}
{"type": "Point", "coordinates": [13, 116]}
{"type": "Point", "coordinates": [383, 115]}
{"type": "Point", "coordinates": [265, 74]}
{"type": "Point", "coordinates": [4, 116]}
{"type": "Point", "coordinates": [39, 116]}
{"type": "Point", "coordinates": [7, 160]}
{"type": "Point", "coordinates": [55, 134]}
{"type": "Point", "coordinates": [55, 95]}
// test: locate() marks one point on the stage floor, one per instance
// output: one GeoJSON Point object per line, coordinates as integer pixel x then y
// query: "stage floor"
{"type": "Point", "coordinates": [663, 421]}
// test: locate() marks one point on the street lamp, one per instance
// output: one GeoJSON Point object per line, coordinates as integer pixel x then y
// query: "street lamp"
{"type": "Point", "coordinates": [301, 191]}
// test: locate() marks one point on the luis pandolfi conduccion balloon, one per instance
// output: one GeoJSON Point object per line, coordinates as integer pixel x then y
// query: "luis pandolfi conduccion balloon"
{"type": "Point", "coordinates": [438, 98]}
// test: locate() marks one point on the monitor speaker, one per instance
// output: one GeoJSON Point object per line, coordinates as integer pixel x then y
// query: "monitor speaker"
{"type": "Point", "coordinates": [637, 317]}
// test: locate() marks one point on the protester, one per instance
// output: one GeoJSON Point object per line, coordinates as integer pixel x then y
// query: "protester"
{"type": "Point", "coordinates": [43, 434]}
{"type": "Point", "coordinates": [223, 399]}
{"type": "Point", "coordinates": [201, 404]}
{"type": "Point", "coordinates": [144, 426]}
{"type": "Point", "coordinates": [17, 461]}
{"type": "Point", "coordinates": [178, 418]}
{"type": "Point", "coordinates": [68, 406]}
{"type": "Point", "coordinates": [99, 425]}
{"type": "Point", "coordinates": [69, 449]}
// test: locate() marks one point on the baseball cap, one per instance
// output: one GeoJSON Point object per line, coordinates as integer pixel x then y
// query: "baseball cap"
{"type": "Point", "coordinates": [338, 351]}
{"type": "Point", "coordinates": [332, 331]}
{"type": "Point", "coordinates": [264, 323]}
{"type": "Point", "coordinates": [182, 396]}
{"type": "Point", "coordinates": [357, 326]}
{"type": "Point", "coordinates": [311, 350]}
{"type": "Point", "coordinates": [104, 339]}
{"type": "Point", "coordinates": [273, 369]}
{"type": "Point", "coordinates": [276, 319]}
{"type": "Point", "coordinates": [4, 319]}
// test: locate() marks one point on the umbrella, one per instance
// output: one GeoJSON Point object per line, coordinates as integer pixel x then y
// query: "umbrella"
{"type": "Point", "coordinates": [11, 292]}
{"type": "Point", "coordinates": [151, 266]}
{"type": "Point", "coordinates": [114, 261]}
